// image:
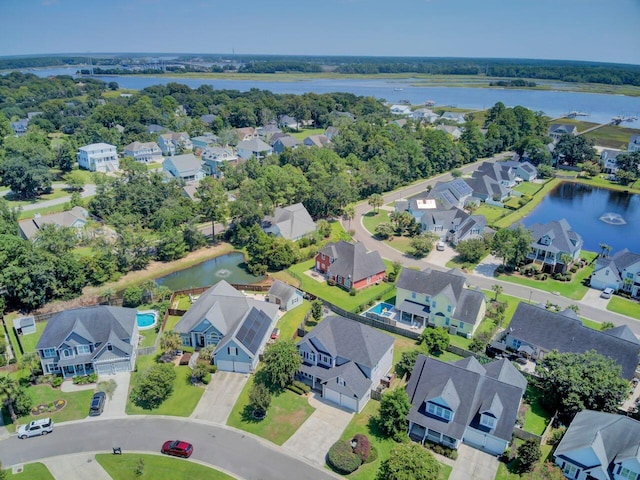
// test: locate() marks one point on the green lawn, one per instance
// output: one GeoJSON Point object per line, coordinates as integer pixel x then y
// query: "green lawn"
{"type": "Point", "coordinates": [288, 323]}
{"type": "Point", "coordinates": [285, 415]}
{"type": "Point", "coordinates": [491, 213]}
{"type": "Point", "coordinates": [148, 338]}
{"type": "Point", "coordinates": [630, 308]}
{"type": "Point", "coordinates": [56, 193]}
{"type": "Point", "coordinates": [156, 467]}
{"type": "Point", "coordinates": [575, 289]}
{"type": "Point", "coordinates": [536, 417]}
{"type": "Point", "coordinates": [371, 220]}
{"type": "Point", "coordinates": [512, 304]}
{"type": "Point", "coordinates": [30, 341]}
{"type": "Point", "coordinates": [305, 132]}
{"type": "Point", "coordinates": [182, 400]}
{"type": "Point", "coordinates": [590, 323]}
{"type": "Point", "coordinates": [365, 423]}
{"type": "Point", "coordinates": [335, 294]}
{"type": "Point", "coordinates": [528, 188]}
{"type": "Point", "coordinates": [77, 405]}
{"type": "Point", "coordinates": [522, 212]}
{"type": "Point", "coordinates": [32, 471]}
{"type": "Point", "coordinates": [172, 320]}
{"type": "Point", "coordinates": [507, 471]}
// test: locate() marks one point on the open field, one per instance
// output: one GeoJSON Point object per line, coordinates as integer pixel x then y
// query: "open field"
{"type": "Point", "coordinates": [305, 132]}
{"type": "Point", "coordinates": [608, 136]}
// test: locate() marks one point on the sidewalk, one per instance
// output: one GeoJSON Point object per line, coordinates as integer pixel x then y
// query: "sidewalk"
{"type": "Point", "coordinates": [76, 467]}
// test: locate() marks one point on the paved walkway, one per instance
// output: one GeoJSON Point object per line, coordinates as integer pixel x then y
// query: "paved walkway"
{"type": "Point", "coordinates": [473, 464]}
{"type": "Point", "coordinates": [221, 395]}
{"type": "Point", "coordinates": [321, 430]}
{"type": "Point", "coordinates": [76, 467]}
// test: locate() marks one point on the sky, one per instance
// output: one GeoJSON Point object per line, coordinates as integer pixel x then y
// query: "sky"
{"type": "Point", "coordinates": [592, 30]}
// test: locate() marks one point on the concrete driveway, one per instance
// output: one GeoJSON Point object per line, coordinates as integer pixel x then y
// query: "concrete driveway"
{"type": "Point", "coordinates": [321, 430]}
{"type": "Point", "coordinates": [76, 467]}
{"type": "Point", "coordinates": [593, 298]}
{"type": "Point", "coordinates": [488, 266]}
{"type": "Point", "coordinates": [221, 395]}
{"type": "Point", "coordinates": [115, 406]}
{"type": "Point", "coordinates": [473, 464]}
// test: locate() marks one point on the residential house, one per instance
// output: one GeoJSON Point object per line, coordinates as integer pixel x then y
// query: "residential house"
{"type": "Point", "coordinates": [634, 143]}
{"type": "Point", "coordinates": [400, 110]}
{"type": "Point", "coordinates": [245, 134]}
{"type": "Point", "coordinates": [173, 142]}
{"type": "Point", "coordinates": [557, 130]}
{"type": "Point", "coordinates": [599, 445]}
{"type": "Point", "coordinates": [486, 188]}
{"type": "Point", "coordinates": [501, 172]}
{"type": "Point", "coordinates": [331, 132]}
{"type": "Point", "coordinates": [400, 122]}
{"type": "Point", "coordinates": [453, 117]}
{"type": "Point", "coordinates": [189, 191]}
{"type": "Point", "coordinates": [465, 402]}
{"type": "Point", "coordinates": [99, 157]}
{"type": "Point", "coordinates": [208, 118]}
{"type": "Point", "coordinates": [454, 193]}
{"type": "Point", "coordinates": [292, 222]}
{"type": "Point", "coordinates": [276, 136]}
{"type": "Point", "coordinates": [254, 148]}
{"type": "Point", "coordinates": [523, 170]}
{"type": "Point", "coordinates": [536, 331]}
{"type": "Point", "coordinates": [425, 115]}
{"type": "Point", "coordinates": [155, 128]}
{"type": "Point", "coordinates": [439, 299]}
{"type": "Point", "coordinates": [620, 271]}
{"type": "Point", "coordinates": [76, 218]}
{"type": "Point", "coordinates": [454, 131]}
{"type": "Point", "coordinates": [237, 325]}
{"type": "Point", "coordinates": [147, 152]}
{"type": "Point", "coordinates": [214, 157]}
{"type": "Point", "coordinates": [551, 242]}
{"type": "Point", "coordinates": [350, 265]}
{"type": "Point", "coordinates": [285, 296]}
{"type": "Point", "coordinates": [286, 121]}
{"type": "Point", "coordinates": [267, 131]}
{"type": "Point", "coordinates": [285, 142]}
{"type": "Point", "coordinates": [20, 127]}
{"type": "Point", "coordinates": [345, 360]}
{"type": "Point", "coordinates": [608, 160]}
{"type": "Point", "coordinates": [81, 341]}
{"type": "Point", "coordinates": [186, 167]}
{"type": "Point", "coordinates": [202, 142]}
{"type": "Point", "coordinates": [316, 141]}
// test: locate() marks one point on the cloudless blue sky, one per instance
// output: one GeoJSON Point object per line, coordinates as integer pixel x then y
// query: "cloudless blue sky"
{"type": "Point", "coordinates": [599, 30]}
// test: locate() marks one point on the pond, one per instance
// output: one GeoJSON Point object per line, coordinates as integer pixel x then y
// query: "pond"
{"type": "Point", "coordinates": [599, 215]}
{"type": "Point", "coordinates": [229, 267]}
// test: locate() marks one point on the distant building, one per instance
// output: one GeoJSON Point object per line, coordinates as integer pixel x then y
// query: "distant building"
{"type": "Point", "coordinates": [316, 141]}
{"type": "Point", "coordinates": [214, 157]}
{"type": "Point", "coordinates": [99, 157]}
{"type": "Point", "coordinates": [292, 222]}
{"type": "Point", "coordinates": [76, 218]}
{"type": "Point", "coordinates": [634, 143]}
{"type": "Point", "coordinates": [557, 130]}
{"type": "Point", "coordinates": [147, 152]}
{"type": "Point", "coordinates": [254, 148]}
{"type": "Point", "coordinates": [608, 160]}
{"type": "Point", "coordinates": [170, 143]}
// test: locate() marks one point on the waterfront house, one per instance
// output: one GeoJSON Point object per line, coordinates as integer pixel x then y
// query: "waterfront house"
{"type": "Point", "coordinates": [557, 130]}
{"type": "Point", "coordinates": [404, 110]}
{"type": "Point", "coordinates": [185, 167]}
{"type": "Point", "coordinates": [634, 143]}
{"type": "Point", "coordinates": [99, 157]}
{"type": "Point", "coordinates": [292, 222]}
{"type": "Point", "coordinates": [535, 331]}
{"type": "Point", "coordinates": [439, 299]}
{"type": "Point", "coordinates": [452, 130]}
{"type": "Point", "coordinates": [523, 170]}
{"type": "Point", "coordinates": [81, 341]}
{"type": "Point", "coordinates": [345, 360]}
{"type": "Point", "coordinates": [599, 445]}
{"type": "Point", "coordinates": [453, 117]}
{"type": "Point", "coordinates": [237, 325]}
{"type": "Point", "coordinates": [465, 402]}
{"type": "Point", "coordinates": [620, 271]}
{"type": "Point", "coordinates": [608, 160]}
{"type": "Point", "coordinates": [425, 115]}
{"type": "Point", "coordinates": [350, 265]}
{"type": "Point", "coordinates": [551, 242]}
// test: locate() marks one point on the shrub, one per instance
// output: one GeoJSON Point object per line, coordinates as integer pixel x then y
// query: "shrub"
{"type": "Point", "coordinates": [529, 454]}
{"type": "Point", "coordinates": [56, 382]}
{"type": "Point", "coordinates": [373, 454]}
{"type": "Point", "coordinates": [302, 386]}
{"type": "Point", "coordinates": [295, 389]}
{"type": "Point", "coordinates": [132, 297]}
{"type": "Point", "coordinates": [154, 386]}
{"type": "Point", "coordinates": [353, 292]}
{"type": "Point", "coordinates": [342, 459]}
{"type": "Point", "coordinates": [331, 282]}
{"type": "Point", "coordinates": [362, 447]}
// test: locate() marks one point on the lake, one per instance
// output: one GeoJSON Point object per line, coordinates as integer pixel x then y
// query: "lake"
{"type": "Point", "coordinates": [594, 213]}
{"type": "Point", "coordinates": [225, 267]}
{"type": "Point", "coordinates": [554, 103]}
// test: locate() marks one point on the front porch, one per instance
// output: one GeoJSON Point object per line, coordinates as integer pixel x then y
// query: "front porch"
{"type": "Point", "coordinates": [80, 369]}
{"type": "Point", "coordinates": [420, 434]}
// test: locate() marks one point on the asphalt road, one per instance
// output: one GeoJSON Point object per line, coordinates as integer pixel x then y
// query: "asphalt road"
{"type": "Point", "coordinates": [537, 296]}
{"type": "Point", "coordinates": [242, 455]}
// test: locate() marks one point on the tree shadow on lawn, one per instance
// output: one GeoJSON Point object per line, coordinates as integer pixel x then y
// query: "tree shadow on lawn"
{"type": "Point", "coordinates": [375, 430]}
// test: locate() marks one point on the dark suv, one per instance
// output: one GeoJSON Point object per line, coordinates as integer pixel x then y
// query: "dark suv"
{"type": "Point", "coordinates": [97, 404]}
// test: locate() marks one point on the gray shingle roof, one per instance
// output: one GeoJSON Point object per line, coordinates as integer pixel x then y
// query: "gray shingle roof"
{"type": "Point", "coordinates": [293, 221]}
{"type": "Point", "coordinates": [281, 290]}
{"type": "Point", "coordinates": [32, 226]}
{"type": "Point", "coordinates": [353, 261]}
{"type": "Point", "coordinates": [186, 163]}
{"type": "Point", "coordinates": [254, 145]}
{"type": "Point", "coordinates": [431, 282]}
{"type": "Point", "coordinates": [563, 239]}
{"type": "Point", "coordinates": [538, 326]}
{"type": "Point", "coordinates": [288, 141]}
{"type": "Point", "coordinates": [468, 306]}
{"type": "Point", "coordinates": [476, 388]}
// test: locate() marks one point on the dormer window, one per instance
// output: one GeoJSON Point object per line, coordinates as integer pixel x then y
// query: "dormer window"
{"type": "Point", "coordinates": [83, 349]}
{"type": "Point", "coordinates": [341, 381]}
{"type": "Point", "coordinates": [67, 352]}
{"type": "Point", "coordinates": [439, 411]}
{"type": "Point", "coordinates": [487, 421]}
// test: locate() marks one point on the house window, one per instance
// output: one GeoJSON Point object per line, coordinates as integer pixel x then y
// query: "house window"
{"type": "Point", "coordinates": [446, 321]}
{"type": "Point", "coordinates": [487, 421]}
{"type": "Point", "coordinates": [438, 411]}
{"type": "Point", "coordinates": [83, 349]}
{"type": "Point", "coordinates": [449, 308]}
{"type": "Point", "coordinates": [232, 351]}
{"type": "Point", "coordinates": [340, 381]}
{"type": "Point", "coordinates": [516, 343]}
{"type": "Point", "coordinates": [67, 352]}
{"type": "Point", "coordinates": [49, 352]}
{"type": "Point", "coordinates": [433, 304]}
{"type": "Point", "coordinates": [413, 294]}
{"type": "Point", "coordinates": [53, 368]}
{"type": "Point", "coordinates": [626, 473]}
{"type": "Point", "coordinates": [110, 347]}
{"type": "Point", "coordinates": [630, 275]}
{"type": "Point", "coordinates": [569, 470]}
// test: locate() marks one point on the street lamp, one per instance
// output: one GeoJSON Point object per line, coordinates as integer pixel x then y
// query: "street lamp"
{"type": "Point", "coordinates": [530, 293]}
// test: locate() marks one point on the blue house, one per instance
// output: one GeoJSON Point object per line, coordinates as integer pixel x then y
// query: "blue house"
{"type": "Point", "coordinates": [238, 326]}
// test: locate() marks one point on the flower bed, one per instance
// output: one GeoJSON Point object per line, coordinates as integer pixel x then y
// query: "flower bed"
{"type": "Point", "coordinates": [51, 407]}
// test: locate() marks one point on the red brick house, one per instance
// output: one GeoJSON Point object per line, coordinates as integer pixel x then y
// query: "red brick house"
{"type": "Point", "coordinates": [350, 265]}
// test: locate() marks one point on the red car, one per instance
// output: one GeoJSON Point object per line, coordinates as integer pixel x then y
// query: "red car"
{"type": "Point", "coordinates": [177, 448]}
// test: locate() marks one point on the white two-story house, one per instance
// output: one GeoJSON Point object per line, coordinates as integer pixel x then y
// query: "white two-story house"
{"type": "Point", "coordinates": [620, 271]}
{"type": "Point", "coordinates": [99, 157]}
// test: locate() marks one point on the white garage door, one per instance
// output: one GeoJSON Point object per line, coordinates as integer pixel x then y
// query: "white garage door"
{"type": "Point", "coordinates": [340, 399]}
{"type": "Point", "coordinates": [231, 366]}
{"type": "Point", "coordinates": [112, 368]}
{"type": "Point", "coordinates": [487, 443]}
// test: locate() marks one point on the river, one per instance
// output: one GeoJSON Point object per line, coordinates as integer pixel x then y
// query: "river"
{"type": "Point", "coordinates": [554, 103]}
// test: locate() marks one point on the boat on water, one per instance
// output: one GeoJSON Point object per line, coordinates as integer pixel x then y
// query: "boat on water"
{"type": "Point", "coordinates": [430, 103]}
{"type": "Point", "coordinates": [398, 89]}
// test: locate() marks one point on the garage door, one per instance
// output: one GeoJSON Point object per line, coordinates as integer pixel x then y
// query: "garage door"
{"type": "Point", "coordinates": [231, 366]}
{"type": "Point", "coordinates": [484, 442]}
{"type": "Point", "coordinates": [112, 368]}
{"type": "Point", "coordinates": [340, 399]}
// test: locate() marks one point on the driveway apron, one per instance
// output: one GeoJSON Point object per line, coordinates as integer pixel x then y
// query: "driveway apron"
{"type": "Point", "coordinates": [473, 464]}
{"type": "Point", "coordinates": [221, 395]}
{"type": "Point", "coordinates": [76, 467]}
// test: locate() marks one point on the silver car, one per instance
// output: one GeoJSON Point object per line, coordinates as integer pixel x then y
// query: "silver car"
{"type": "Point", "coordinates": [35, 428]}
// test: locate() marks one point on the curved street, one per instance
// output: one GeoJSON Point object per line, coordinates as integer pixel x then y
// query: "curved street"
{"type": "Point", "coordinates": [241, 454]}
{"type": "Point", "coordinates": [587, 309]}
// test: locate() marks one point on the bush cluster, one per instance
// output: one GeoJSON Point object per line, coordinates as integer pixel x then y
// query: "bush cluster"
{"type": "Point", "coordinates": [295, 389]}
{"type": "Point", "coordinates": [442, 450]}
{"type": "Point", "coordinates": [83, 380]}
{"type": "Point", "coordinates": [342, 459]}
{"type": "Point", "coordinates": [362, 447]}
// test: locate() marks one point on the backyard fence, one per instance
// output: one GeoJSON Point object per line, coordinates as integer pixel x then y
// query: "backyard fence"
{"type": "Point", "coordinates": [146, 350]}
{"type": "Point", "coordinates": [524, 435]}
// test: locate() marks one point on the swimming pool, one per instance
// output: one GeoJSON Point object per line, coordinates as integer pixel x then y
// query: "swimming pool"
{"type": "Point", "coordinates": [146, 319]}
{"type": "Point", "coordinates": [382, 309]}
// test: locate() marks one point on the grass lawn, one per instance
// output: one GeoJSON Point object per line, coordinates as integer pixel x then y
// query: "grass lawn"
{"type": "Point", "coordinates": [456, 262]}
{"type": "Point", "coordinates": [623, 306]}
{"type": "Point", "coordinates": [371, 220]}
{"type": "Point", "coordinates": [522, 212]}
{"type": "Point", "coordinates": [337, 295]}
{"type": "Point", "coordinates": [507, 471]}
{"type": "Point", "coordinates": [30, 341]}
{"type": "Point", "coordinates": [590, 323]}
{"type": "Point", "coordinates": [77, 405]}
{"type": "Point", "coordinates": [511, 308]}
{"type": "Point", "coordinates": [305, 132]}
{"type": "Point", "coordinates": [172, 320]}
{"type": "Point", "coordinates": [56, 193]}
{"type": "Point", "coordinates": [288, 323]}
{"type": "Point", "coordinates": [491, 213]}
{"type": "Point", "coordinates": [148, 338]}
{"type": "Point", "coordinates": [528, 188]}
{"type": "Point", "coordinates": [536, 417]}
{"type": "Point", "coordinates": [575, 289]}
{"type": "Point", "coordinates": [52, 209]}
{"type": "Point", "coordinates": [365, 423]}
{"type": "Point", "coordinates": [156, 467]}
{"type": "Point", "coordinates": [285, 415]}
{"type": "Point", "coordinates": [182, 400]}
{"type": "Point", "coordinates": [32, 471]}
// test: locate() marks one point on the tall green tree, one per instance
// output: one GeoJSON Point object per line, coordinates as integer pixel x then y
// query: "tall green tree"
{"type": "Point", "coordinates": [409, 461]}
{"type": "Point", "coordinates": [394, 408]}
{"type": "Point", "coordinates": [512, 244]}
{"type": "Point", "coordinates": [24, 178]}
{"type": "Point", "coordinates": [574, 149]}
{"type": "Point", "coordinates": [281, 361]}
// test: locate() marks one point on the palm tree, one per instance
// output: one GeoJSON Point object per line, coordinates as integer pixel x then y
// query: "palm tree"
{"type": "Point", "coordinates": [348, 212]}
{"type": "Point", "coordinates": [9, 389]}
{"type": "Point", "coordinates": [607, 249]}
{"type": "Point", "coordinates": [107, 294]}
{"type": "Point", "coordinates": [498, 290]}
{"type": "Point", "coordinates": [604, 248]}
{"type": "Point", "coordinates": [566, 260]}
{"type": "Point", "coordinates": [375, 200]}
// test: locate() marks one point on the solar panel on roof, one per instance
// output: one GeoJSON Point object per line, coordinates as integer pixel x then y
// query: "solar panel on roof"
{"type": "Point", "coordinates": [253, 330]}
{"type": "Point", "coordinates": [448, 197]}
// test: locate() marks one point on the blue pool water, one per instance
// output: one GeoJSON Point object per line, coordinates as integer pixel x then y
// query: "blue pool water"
{"type": "Point", "coordinates": [382, 309]}
{"type": "Point", "coordinates": [146, 319]}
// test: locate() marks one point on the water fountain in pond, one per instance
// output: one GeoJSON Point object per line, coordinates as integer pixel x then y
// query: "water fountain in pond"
{"type": "Point", "coordinates": [613, 219]}
{"type": "Point", "coordinates": [222, 273]}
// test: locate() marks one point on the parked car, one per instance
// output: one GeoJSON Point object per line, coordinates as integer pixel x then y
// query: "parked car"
{"type": "Point", "coordinates": [275, 333]}
{"type": "Point", "coordinates": [35, 428]}
{"type": "Point", "coordinates": [97, 404]}
{"type": "Point", "coordinates": [607, 292]}
{"type": "Point", "coordinates": [440, 246]}
{"type": "Point", "coordinates": [177, 448]}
